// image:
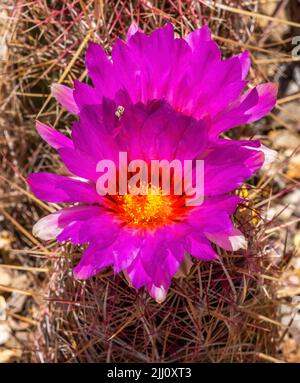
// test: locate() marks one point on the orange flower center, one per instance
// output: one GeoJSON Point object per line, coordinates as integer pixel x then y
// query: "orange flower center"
{"type": "Point", "coordinates": [147, 211]}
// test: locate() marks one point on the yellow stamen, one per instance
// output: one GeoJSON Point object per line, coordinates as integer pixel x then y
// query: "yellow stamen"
{"type": "Point", "coordinates": [145, 211]}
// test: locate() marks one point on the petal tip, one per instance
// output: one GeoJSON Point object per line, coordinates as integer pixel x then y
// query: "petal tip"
{"type": "Point", "coordinates": [133, 29]}
{"type": "Point", "coordinates": [47, 227]}
{"type": "Point", "coordinates": [158, 293]}
{"type": "Point", "coordinates": [64, 96]}
{"type": "Point", "coordinates": [81, 272]}
{"type": "Point", "coordinates": [238, 242]}
{"type": "Point", "coordinates": [269, 154]}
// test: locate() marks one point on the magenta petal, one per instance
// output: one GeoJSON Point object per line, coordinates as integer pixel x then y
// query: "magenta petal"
{"type": "Point", "coordinates": [53, 225]}
{"type": "Point", "coordinates": [55, 188]}
{"type": "Point", "coordinates": [53, 137]}
{"type": "Point", "coordinates": [162, 276]}
{"type": "Point", "coordinates": [267, 94]}
{"type": "Point", "coordinates": [78, 163]}
{"type": "Point", "coordinates": [226, 179]}
{"type": "Point", "coordinates": [161, 279]}
{"type": "Point", "coordinates": [153, 253]}
{"type": "Point", "coordinates": [203, 60]}
{"type": "Point", "coordinates": [171, 263]}
{"type": "Point", "coordinates": [200, 248]}
{"type": "Point", "coordinates": [227, 203]}
{"type": "Point", "coordinates": [231, 239]}
{"type": "Point", "coordinates": [93, 260]}
{"type": "Point", "coordinates": [154, 124]}
{"type": "Point", "coordinates": [158, 259]}
{"type": "Point", "coordinates": [85, 95]}
{"type": "Point", "coordinates": [193, 141]}
{"type": "Point", "coordinates": [149, 66]}
{"type": "Point", "coordinates": [213, 214]}
{"type": "Point", "coordinates": [94, 129]}
{"type": "Point", "coordinates": [138, 275]}
{"type": "Point", "coordinates": [159, 293]}
{"type": "Point", "coordinates": [216, 92]}
{"type": "Point", "coordinates": [126, 65]}
{"type": "Point", "coordinates": [196, 37]}
{"type": "Point", "coordinates": [47, 228]}
{"type": "Point", "coordinates": [132, 31]}
{"type": "Point", "coordinates": [64, 95]}
{"type": "Point", "coordinates": [245, 63]}
{"type": "Point", "coordinates": [126, 249]}
{"type": "Point", "coordinates": [101, 71]}
{"type": "Point", "coordinates": [251, 106]}
{"type": "Point", "coordinates": [92, 224]}
{"type": "Point", "coordinates": [226, 172]}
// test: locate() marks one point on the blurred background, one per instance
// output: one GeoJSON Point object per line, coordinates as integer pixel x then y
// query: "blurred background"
{"type": "Point", "coordinates": [244, 308]}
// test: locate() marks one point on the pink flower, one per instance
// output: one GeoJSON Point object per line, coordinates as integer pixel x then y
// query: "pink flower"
{"type": "Point", "coordinates": [159, 98]}
{"type": "Point", "coordinates": [188, 73]}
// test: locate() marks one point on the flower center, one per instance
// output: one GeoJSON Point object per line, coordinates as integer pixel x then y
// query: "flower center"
{"type": "Point", "coordinates": [145, 211]}
{"type": "Point", "coordinates": [148, 210]}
